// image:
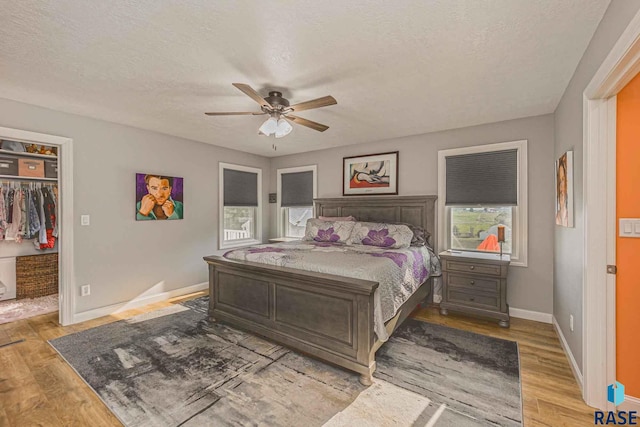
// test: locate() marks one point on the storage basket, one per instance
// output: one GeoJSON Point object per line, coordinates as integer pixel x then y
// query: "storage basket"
{"type": "Point", "coordinates": [33, 168]}
{"type": "Point", "coordinates": [36, 275]}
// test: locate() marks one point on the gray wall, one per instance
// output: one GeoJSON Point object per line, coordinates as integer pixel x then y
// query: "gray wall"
{"type": "Point", "coordinates": [569, 242]}
{"type": "Point", "coordinates": [530, 288]}
{"type": "Point", "coordinates": [119, 257]}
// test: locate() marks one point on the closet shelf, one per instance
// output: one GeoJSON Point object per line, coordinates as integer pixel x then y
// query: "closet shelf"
{"type": "Point", "coordinates": [25, 154]}
{"type": "Point", "coordinates": [27, 178]}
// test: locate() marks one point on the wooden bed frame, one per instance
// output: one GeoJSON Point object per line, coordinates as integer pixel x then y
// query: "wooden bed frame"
{"type": "Point", "coordinates": [326, 316]}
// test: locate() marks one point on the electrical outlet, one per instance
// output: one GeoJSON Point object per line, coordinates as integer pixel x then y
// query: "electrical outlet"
{"type": "Point", "coordinates": [85, 290]}
{"type": "Point", "coordinates": [571, 322]}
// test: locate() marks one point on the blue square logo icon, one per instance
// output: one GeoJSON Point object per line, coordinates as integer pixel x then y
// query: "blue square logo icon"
{"type": "Point", "coordinates": [615, 393]}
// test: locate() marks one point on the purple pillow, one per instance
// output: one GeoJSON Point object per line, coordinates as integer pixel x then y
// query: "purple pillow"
{"type": "Point", "coordinates": [328, 231]}
{"type": "Point", "coordinates": [382, 235]}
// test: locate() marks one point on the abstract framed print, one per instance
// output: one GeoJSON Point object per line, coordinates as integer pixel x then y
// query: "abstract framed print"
{"type": "Point", "coordinates": [370, 174]}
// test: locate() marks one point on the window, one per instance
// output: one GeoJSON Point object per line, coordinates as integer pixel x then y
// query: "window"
{"type": "Point", "coordinates": [297, 187]}
{"type": "Point", "coordinates": [240, 207]}
{"type": "Point", "coordinates": [480, 190]}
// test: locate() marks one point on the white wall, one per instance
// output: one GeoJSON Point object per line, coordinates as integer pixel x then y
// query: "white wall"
{"type": "Point", "coordinates": [122, 258]}
{"type": "Point", "coordinates": [569, 242]}
{"type": "Point", "coordinates": [529, 288]}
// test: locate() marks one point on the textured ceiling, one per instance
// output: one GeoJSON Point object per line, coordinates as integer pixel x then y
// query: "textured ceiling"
{"type": "Point", "coordinates": [396, 68]}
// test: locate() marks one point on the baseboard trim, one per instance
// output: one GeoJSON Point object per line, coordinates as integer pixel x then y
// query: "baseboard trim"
{"type": "Point", "coordinates": [537, 316]}
{"type": "Point", "coordinates": [137, 302]}
{"type": "Point", "coordinates": [572, 361]}
{"type": "Point", "coordinates": [630, 404]}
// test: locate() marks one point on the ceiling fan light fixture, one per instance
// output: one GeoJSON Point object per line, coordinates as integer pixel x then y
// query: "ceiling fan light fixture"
{"type": "Point", "coordinates": [269, 127]}
{"type": "Point", "coordinates": [284, 128]}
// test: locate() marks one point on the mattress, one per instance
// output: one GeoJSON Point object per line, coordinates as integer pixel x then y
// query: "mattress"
{"type": "Point", "coordinates": [399, 272]}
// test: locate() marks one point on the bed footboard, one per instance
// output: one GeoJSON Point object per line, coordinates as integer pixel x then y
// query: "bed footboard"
{"type": "Point", "coordinates": [326, 316]}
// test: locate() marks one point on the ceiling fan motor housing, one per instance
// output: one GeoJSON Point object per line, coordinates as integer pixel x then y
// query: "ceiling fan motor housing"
{"type": "Point", "coordinates": [276, 100]}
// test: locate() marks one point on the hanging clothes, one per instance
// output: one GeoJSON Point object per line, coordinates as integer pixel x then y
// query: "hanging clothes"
{"type": "Point", "coordinates": [34, 217]}
{"type": "Point", "coordinates": [23, 220]}
{"type": "Point", "coordinates": [50, 219]}
{"type": "Point", "coordinates": [14, 218]}
{"type": "Point", "coordinates": [55, 203]}
{"type": "Point", "coordinates": [29, 213]}
{"type": "Point", "coordinates": [3, 213]}
{"type": "Point", "coordinates": [10, 205]}
{"type": "Point", "coordinates": [42, 236]}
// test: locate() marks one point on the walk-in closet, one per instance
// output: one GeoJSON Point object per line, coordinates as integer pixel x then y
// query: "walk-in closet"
{"type": "Point", "coordinates": [29, 230]}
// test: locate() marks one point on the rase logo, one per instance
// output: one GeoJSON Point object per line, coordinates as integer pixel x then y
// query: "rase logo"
{"type": "Point", "coordinates": [615, 395]}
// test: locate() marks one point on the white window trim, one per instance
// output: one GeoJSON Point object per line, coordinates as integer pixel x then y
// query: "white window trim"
{"type": "Point", "coordinates": [520, 220]}
{"type": "Point", "coordinates": [244, 242]}
{"type": "Point", "coordinates": [279, 216]}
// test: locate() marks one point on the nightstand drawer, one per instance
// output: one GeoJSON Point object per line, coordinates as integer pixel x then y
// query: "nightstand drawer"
{"type": "Point", "coordinates": [469, 267]}
{"type": "Point", "coordinates": [473, 282]}
{"type": "Point", "coordinates": [469, 299]}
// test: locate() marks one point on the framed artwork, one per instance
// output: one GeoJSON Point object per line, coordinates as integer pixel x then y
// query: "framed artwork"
{"type": "Point", "coordinates": [159, 197]}
{"type": "Point", "coordinates": [564, 190]}
{"type": "Point", "coordinates": [370, 174]}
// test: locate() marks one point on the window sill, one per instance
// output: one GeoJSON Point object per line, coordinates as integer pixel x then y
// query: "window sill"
{"type": "Point", "coordinates": [284, 239]}
{"type": "Point", "coordinates": [239, 243]}
{"type": "Point", "coordinates": [515, 262]}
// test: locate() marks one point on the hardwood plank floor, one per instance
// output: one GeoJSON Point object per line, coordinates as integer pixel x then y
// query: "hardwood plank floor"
{"type": "Point", "coordinates": [38, 388]}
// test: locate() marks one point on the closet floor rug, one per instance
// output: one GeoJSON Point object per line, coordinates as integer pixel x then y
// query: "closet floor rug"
{"type": "Point", "coordinates": [13, 310]}
{"type": "Point", "coordinates": [173, 367]}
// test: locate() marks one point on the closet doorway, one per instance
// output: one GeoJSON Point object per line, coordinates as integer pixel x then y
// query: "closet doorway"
{"type": "Point", "coordinates": [36, 252]}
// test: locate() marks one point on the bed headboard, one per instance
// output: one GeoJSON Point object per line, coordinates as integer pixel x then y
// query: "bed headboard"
{"type": "Point", "coordinates": [416, 210]}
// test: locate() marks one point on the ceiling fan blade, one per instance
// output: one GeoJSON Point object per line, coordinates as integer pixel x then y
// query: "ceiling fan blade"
{"type": "Point", "coordinates": [236, 114]}
{"type": "Point", "coordinates": [248, 90]}
{"type": "Point", "coordinates": [315, 103]}
{"type": "Point", "coordinates": [308, 123]}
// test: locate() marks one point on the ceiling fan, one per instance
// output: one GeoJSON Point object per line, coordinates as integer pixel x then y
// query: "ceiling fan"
{"type": "Point", "coordinates": [280, 111]}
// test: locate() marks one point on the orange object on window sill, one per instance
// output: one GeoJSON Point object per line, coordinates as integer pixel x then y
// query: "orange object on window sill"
{"type": "Point", "coordinates": [489, 244]}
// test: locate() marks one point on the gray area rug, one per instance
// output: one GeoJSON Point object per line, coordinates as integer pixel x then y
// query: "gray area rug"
{"type": "Point", "coordinates": [173, 367]}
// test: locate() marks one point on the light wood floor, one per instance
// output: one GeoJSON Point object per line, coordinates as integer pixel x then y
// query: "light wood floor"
{"type": "Point", "coordinates": [37, 388]}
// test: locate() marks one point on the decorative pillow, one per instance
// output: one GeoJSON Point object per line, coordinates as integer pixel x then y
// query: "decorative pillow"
{"type": "Point", "coordinates": [379, 234]}
{"type": "Point", "coordinates": [328, 231]}
{"type": "Point", "coordinates": [337, 218]}
{"type": "Point", "coordinates": [420, 235]}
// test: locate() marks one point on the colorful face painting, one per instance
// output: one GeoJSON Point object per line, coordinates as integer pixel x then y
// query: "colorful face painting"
{"type": "Point", "coordinates": [159, 197]}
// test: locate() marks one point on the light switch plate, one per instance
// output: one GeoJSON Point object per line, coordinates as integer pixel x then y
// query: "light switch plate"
{"type": "Point", "coordinates": [629, 227]}
{"type": "Point", "coordinates": [85, 220]}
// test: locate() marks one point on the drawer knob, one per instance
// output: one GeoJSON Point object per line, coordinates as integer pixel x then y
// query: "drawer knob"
{"type": "Point", "coordinates": [473, 282]}
{"type": "Point", "coordinates": [472, 267]}
{"type": "Point", "coordinates": [472, 299]}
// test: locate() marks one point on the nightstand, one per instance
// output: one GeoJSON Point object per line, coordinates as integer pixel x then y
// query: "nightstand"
{"type": "Point", "coordinates": [283, 239]}
{"type": "Point", "coordinates": [475, 283]}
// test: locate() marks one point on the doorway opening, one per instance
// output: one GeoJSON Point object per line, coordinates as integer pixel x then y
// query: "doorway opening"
{"type": "Point", "coordinates": [36, 252]}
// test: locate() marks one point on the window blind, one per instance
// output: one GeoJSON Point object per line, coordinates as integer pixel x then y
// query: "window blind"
{"type": "Point", "coordinates": [240, 188]}
{"type": "Point", "coordinates": [297, 189]}
{"type": "Point", "coordinates": [483, 178]}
